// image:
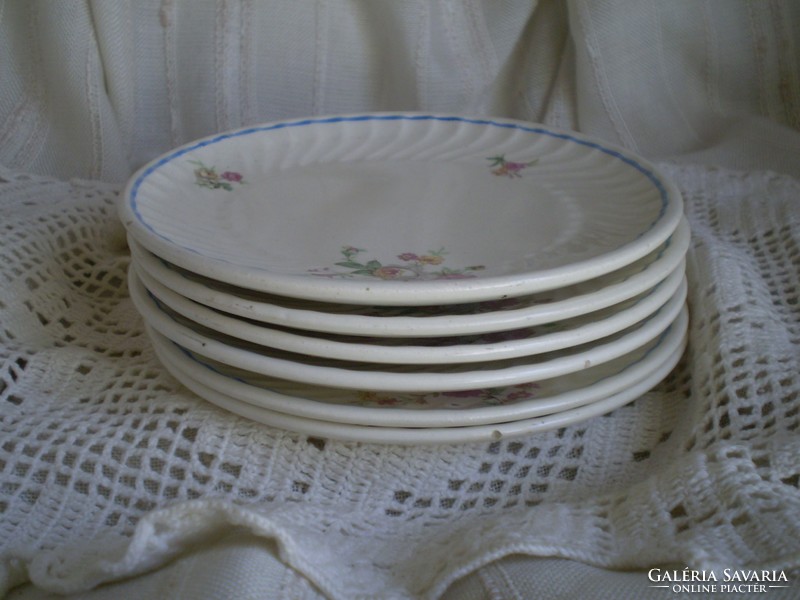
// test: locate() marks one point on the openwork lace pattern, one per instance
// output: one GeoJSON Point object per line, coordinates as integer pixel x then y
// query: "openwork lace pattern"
{"type": "Point", "coordinates": [108, 467]}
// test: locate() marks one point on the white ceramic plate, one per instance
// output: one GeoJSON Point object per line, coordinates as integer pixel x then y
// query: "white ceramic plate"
{"type": "Point", "coordinates": [441, 409]}
{"type": "Point", "coordinates": [425, 321]}
{"type": "Point", "coordinates": [400, 209]}
{"type": "Point", "coordinates": [396, 378]}
{"type": "Point", "coordinates": [432, 435]}
{"type": "Point", "coordinates": [441, 350]}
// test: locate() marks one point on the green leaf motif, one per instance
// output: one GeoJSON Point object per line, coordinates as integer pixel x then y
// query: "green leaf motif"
{"type": "Point", "coordinates": [413, 267]}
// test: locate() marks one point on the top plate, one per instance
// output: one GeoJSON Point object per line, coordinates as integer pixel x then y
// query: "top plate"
{"type": "Point", "coordinates": [400, 209]}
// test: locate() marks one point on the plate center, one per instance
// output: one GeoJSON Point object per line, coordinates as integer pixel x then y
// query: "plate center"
{"type": "Point", "coordinates": [399, 220]}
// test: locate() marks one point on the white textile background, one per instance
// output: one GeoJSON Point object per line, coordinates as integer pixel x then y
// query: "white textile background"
{"type": "Point", "coordinates": [112, 473]}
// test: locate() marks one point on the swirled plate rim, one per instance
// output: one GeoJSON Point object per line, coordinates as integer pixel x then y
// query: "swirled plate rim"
{"type": "Point", "coordinates": [155, 233]}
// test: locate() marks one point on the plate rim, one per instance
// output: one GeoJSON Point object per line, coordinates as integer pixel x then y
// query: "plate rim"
{"type": "Point", "coordinates": [467, 434]}
{"type": "Point", "coordinates": [437, 325]}
{"type": "Point", "coordinates": [381, 292]}
{"type": "Point", "coordinates": [407, 381]}
{"type": "Point", "coordinates": [670, 341]}
{"type": "Point", "coordinates": [648, 303]}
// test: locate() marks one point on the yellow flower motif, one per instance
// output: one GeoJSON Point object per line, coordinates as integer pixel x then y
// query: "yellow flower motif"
{"type": "Point", "coordinates": [207, 174]}
{"type": "Point", "coordinates": [431, 259]}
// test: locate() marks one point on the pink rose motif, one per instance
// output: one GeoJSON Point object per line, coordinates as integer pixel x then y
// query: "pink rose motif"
{"type": "Point", "coordinates": [232, 176]}
{"type": "Point", "coordinates": [520, 395]}
{"type": "Point", "coordinates": [515, 167]}
{"type": "Point", "coordinates": [387, 401]}
{"type": "Point", "coordinates": [387, 272]}
{"type": "Point", "coordinates": [413, 266]}
{"type": "Point", "coordinates": [507, 168]}
{"type": "Point", "coordinates": [366, 397]}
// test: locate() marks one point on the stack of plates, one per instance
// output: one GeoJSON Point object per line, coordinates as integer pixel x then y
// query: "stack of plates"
{"type": "Point", "coordinates": [408, 278]}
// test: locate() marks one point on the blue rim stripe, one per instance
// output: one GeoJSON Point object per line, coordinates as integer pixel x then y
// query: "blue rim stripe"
{"type": "Point", "coordinates": [361, 118]}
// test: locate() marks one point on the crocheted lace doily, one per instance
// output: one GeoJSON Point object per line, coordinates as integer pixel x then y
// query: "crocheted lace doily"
{"type": "Point", "coordinates": [109, 467]}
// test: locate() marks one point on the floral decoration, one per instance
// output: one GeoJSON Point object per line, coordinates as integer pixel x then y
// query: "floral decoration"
{"type": "Point", "coordinates": [411, 266]}
{"type": "Point", "coordinates": [469, 308]}
{"type": "Point", "coordinates": [208, 177]}
{"type": "Point", "coordinates": [506, 168]}
{"type": "Point", "coordinates": [500, 396]}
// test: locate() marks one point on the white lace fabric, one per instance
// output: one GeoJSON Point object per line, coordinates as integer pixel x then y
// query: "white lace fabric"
{"type": "Point", "coordinates": [110, 468]}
